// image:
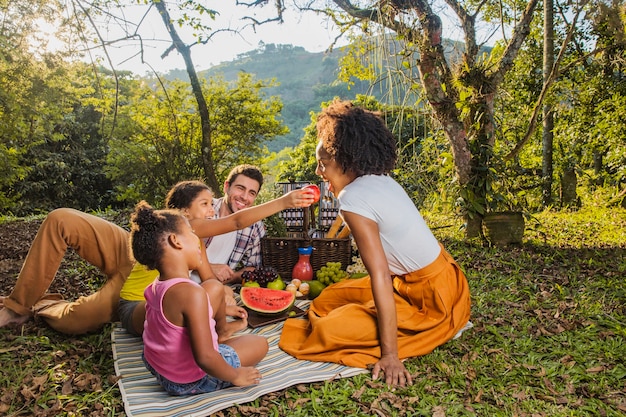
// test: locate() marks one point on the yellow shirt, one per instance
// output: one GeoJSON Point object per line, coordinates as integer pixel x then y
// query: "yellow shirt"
{"type": "Point", "coordinates": [140, 277]}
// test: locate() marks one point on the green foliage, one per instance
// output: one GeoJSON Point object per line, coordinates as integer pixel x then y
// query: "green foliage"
{"type": "Point", "coordinates": [51, 149]}
{"type": "Point", "coordinates": [588, 104]}
{"type": "Point", "coordinates": [303, 81]}
{"type": "Point", "coordinates": [301, 163]}
{"type": "Point", "coordinates": [67, 169]}
{"type": "Point", "coordinates": [549, 338]}
{"type": "Point", "coordinates": [414, 171]}
{"type": "Point", "coordinates": [163, 146]}
{"type": "Point", "coordinates": [352, 65]}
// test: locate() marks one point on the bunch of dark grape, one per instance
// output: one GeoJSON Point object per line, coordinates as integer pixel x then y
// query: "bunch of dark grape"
{"type": "Point", "coordinates": [263, 275]}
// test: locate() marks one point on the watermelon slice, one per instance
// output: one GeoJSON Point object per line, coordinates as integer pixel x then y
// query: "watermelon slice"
{"type": "Point", "coordinates": [266, 301]}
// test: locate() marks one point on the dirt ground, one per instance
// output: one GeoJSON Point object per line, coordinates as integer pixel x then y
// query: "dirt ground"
{"type": "Point", "coordinates": [15, 240]}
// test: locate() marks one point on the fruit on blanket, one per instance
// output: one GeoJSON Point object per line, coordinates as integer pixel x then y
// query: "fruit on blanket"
{"type": "Point", "coordinates": [315, 288]}
{"type": "Point", "coordinates": [266, 301]}
{"type": "Point", "coordinates": [304, 288]}
{"type": "Point", "coordinates": [251, 284]}
{"type": "Point", "coordinates": [263, 275]}
{"type": "Point", "coordinates": [277, 284]}
{"type": "Point", "coordinates": [291, 288]}
{"type": "Point", "coordinates": [330, 273]}
{"type": "Point", "coordinates": [298, 287]}
{"type": "Point", "coordinates": [316, 192]}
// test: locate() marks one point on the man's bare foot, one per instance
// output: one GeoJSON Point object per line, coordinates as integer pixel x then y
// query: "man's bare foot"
{"type": "Point", "coordinates": [8, 318]}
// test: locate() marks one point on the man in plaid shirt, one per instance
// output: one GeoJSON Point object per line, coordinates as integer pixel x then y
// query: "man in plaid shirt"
{"type": "Point", "coordinates": [232, 253]}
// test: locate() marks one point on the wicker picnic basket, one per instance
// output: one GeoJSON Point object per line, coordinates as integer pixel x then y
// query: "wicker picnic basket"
{"type": "Point", "coordinates": [282, 252]}
{"type": "Point", "coordinates": [330, 244]}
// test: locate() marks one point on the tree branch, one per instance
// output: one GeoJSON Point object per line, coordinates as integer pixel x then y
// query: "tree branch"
{"type": "Point", "coordinates": [554, 73]}
{"type": "Point", "coordinates": [106, 53]}
{"type": "Point", "coordinates": [510, 53]}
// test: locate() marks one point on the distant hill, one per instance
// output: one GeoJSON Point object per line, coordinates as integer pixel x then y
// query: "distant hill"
{"type": "Point", "coordinates": [306, 80]}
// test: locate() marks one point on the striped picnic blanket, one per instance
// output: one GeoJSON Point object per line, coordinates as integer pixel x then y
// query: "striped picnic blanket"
{"type": "Point", "coordinates": [143, 396]}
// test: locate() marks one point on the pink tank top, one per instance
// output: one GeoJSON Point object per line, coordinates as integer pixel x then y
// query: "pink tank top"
{"type": "Point", "coordinates": [167, 347]}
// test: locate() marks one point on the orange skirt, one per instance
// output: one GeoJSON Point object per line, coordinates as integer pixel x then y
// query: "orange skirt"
{"type": "Point", "coordinates": [432, 305]}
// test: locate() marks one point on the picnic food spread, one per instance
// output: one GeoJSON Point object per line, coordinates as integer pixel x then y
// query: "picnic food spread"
{"type": "Point", "coordinates": [331, 273]}
{"type": "Point", "coordinates": [262, 276]}
{"type": "Point", "coordinates": [266, 301]}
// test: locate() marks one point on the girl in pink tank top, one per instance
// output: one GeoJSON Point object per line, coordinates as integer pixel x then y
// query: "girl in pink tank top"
{"type": "Point", "coordinates": [181, 346]}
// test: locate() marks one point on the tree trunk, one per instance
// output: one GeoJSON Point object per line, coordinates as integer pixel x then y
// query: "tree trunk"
{"type": "Point", "coordinates": [442, 87]}
{"type": "Point", "coordinates": [548, 115]}
{"type": "Point", "coordinates": [598, 166]}
{"type": "Point", "coordinates": [569, 180]}
{"type": "Point", "coordinates": [203, 110]}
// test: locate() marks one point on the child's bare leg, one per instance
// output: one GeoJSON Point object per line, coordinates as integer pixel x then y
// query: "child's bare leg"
{"type": "Point", "coordinates": [236, 311]}
{"type": "Point", "coordinates": [223, 327]}
{"type": "Point", "coordinates": [251, 348]}
{"type": "Point", "coordinates": [229, 296]}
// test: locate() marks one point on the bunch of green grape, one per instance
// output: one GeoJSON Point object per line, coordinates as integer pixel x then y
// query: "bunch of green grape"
{"type": "Point", "coordinates": [331, 273]}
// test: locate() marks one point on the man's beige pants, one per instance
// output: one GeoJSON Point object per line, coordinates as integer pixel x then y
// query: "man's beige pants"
{"type": "Point", "coordinates": [101, 243]}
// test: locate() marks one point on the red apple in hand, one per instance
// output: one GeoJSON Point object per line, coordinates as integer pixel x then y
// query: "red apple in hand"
{"type": "Point", "coordinates": [316, 192]}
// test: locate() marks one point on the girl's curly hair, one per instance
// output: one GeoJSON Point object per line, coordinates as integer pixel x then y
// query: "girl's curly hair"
{"type": "Point", "coordinates": [358, 139]}
{"type": "Point", "coordinates": [149, 228]}
{"type": "Point", "coordinates": [181, 195]}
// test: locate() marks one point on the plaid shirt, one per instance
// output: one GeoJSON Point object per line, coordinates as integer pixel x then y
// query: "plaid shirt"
{"type": "Point", "coordinates": [247, 251]}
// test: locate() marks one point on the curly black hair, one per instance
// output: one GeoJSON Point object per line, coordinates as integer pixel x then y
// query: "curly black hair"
{"type": "Point", "coordinates": [181, 195]}
{"type": "Point", "coordinates": [148, 227]}
{"type": "Point", "coordinates": [358, 139]}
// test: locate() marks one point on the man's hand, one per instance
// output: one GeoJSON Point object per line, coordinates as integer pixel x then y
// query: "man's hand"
{"type": "Point", "coordinates": [223, 273]}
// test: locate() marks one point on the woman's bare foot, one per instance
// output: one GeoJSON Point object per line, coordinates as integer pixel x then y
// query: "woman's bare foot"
{"type": "Point", "coordinates": [10, 318]}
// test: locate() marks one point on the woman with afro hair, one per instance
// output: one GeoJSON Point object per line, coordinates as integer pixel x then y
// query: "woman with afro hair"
{"type": "Point", "coordinates": [415, 298]}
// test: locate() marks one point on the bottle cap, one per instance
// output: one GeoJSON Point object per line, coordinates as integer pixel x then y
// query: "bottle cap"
{"type": "Point", "coordinates": [307, 250]}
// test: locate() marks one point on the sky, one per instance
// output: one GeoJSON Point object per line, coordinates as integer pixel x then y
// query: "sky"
{"type": "Point", "coordinates": [306, 30]}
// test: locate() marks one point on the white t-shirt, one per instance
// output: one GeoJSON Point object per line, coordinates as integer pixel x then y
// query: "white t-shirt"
{"type": "Point", "coordinates": [221, 247]}
{"type": "Point", "coordinates": [218, 251]}
{"type": "Point", "coordinates": [408, 243]}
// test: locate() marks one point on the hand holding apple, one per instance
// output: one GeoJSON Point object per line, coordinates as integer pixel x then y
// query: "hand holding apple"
{"type": "Point", "coordinates": [315, 190]}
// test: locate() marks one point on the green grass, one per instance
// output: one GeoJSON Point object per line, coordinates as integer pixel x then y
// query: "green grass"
{"type": "Point", "coordinates": [549, 339]}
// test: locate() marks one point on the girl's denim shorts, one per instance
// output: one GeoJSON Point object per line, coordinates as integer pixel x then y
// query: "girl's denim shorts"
{"type": "Point", "coordinates": [207, 384]}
